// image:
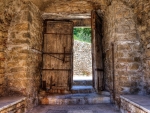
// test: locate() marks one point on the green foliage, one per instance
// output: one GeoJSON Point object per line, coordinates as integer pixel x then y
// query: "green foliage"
{"type": "Point", "coordinates": [82, 34]}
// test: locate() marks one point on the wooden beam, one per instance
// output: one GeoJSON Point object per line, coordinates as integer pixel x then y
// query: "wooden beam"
{"type": "Point", "coordinates": [60, 16]}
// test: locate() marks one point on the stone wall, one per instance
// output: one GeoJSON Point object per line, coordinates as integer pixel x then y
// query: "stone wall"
{"type": "Point", "coordinates": [82, 60]}
{"type": "Point", "coordinates": [3, 37]}
{"type": "Point", "coordinates": [72, 6]}
{"type": "Point", "coordinates": [21, 32]}
{"type": "Point", "coordinates": [120, 30]}
{"type": "Point", "coordinates": [141, 10]}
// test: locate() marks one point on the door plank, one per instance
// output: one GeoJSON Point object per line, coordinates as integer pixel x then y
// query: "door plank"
{"type": "Point", "coordinates": [57, 66]}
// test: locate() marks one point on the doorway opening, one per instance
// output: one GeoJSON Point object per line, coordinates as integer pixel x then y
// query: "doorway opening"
{"type": "Point", "coordinates": [82, 57]}
{"type": "Point", "coordinates": [61, 69]}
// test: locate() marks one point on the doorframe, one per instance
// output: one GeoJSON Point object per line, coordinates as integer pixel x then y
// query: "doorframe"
{"type": "Point", "coordinates": [91, 45]}
{"type": "Point", "coordinates": [97, 87]}
{"type": "Point", "coordinates": [92, 40]}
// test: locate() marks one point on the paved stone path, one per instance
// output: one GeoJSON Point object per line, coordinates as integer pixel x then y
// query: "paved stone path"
{"type": "Point", "coordinates": [98, 108]}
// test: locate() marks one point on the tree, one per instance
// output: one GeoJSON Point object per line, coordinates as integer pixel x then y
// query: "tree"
{"type": "Point", "coordinates": [82, 34]}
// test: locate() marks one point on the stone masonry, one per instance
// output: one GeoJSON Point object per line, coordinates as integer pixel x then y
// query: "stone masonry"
{"type": "Point", "coordinates": [82, 58]}
{"type": "Point", "coordinates": [126, 24]}
{"type": "Point", "coordinates": [141, 10]}
{"type": "Point", "coordinates": [127, 50]}
{"type": "Point", "coordinates": [21, 36]}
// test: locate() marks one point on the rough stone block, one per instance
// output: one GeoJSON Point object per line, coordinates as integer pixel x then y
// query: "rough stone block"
{"type": "Point", "coordinates": [148, 62]}
{"type": "Point", "coordinates": [26, 35]}
{"type": "Point", "coordinates": [134, 66]}
{"type": "Point", "coordinates": [124, 47]}
{"type": "Point", "coordinates": [2, 55]}
{"type": "Point", "coordinates": [22, 27]}
{"type": "Point", "coordinates": [17, 69]}
{"type": "Point", "coordinates": [123, 29]}
{"type": "Point", "coordinates": [1, 33]}
{"type": "Point", "coordinates": [44, 101]}
{"type": "Point", "coordinates": [26, 16]}
{"type": "Point", "coordinates": [1, 80]}
{"type": "Point", "coordinates": [125, 60]}
{"type": "Point", "coordinates": [121, 66]}
{"type": "Point", "coordinates": [137, 47]}
{"type": "Point", "coordinates": [20, 41]}
{"type": "Point", "coordinates": [120, 54]}
{"type": "Point", "coordinates": [20, 75]}
{"type": "Point", "coordinates": [1, 48]}
{"type": "Point", "coordinates": [120, 73]}
{"type": "Point", "coordinates": [147, 53]}
{"type": "Point", "coordinates": [2, 65]}
{"type": "Point", "coordinates": [137, 59]}
{"type": "Point", "coordinates": [2, 71]}
{"type": "Point", "coordinates": [1, 75]}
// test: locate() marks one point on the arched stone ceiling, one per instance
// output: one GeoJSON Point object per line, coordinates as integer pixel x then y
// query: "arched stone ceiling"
{"type": "Point", "coordinates": [69, 6]}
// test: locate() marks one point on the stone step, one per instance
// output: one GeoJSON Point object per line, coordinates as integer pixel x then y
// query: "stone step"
{"type": "Point", "coordinates": [82, 82]}
{"type": "Point", "coordinates": [75, 99]}
{"type": "Point", "coordinates": [13, 104]}
{"type": "Point", "coordinates": [82, 89]}
{"type": "Point", "coordinates": [135, 104]}
{"type": "Point", "coordinates": [106, 93]}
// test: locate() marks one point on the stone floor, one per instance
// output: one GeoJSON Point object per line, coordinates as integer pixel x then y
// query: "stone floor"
{"type": "Point", "coordinates": [82, 82]}
{"type": "Point", "coordinates": [82, 77]}
{"type": "Point", "coordinates": [98, 108]}
{"type": "Point", "coordinates": [81, 87]}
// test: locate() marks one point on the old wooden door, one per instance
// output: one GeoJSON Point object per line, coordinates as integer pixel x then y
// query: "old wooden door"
{"type": "Point", "coordinates": [97, 56]}
{"type": "Point", "coordinates": [57, 55]}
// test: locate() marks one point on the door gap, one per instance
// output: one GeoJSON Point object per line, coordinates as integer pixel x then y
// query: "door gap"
{"type": "Point", "coordinates": [82, 58]}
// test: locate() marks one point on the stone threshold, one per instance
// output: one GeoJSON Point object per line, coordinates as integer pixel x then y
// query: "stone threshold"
{"type": "Point", "coordinates": [75, 99]}
{"type": "Point", "coordinates": [7, 102]}
{"type": "Point", "coordinates": [138, 101]}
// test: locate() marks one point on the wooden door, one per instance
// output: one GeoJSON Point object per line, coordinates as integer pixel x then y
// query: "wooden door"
{"type": "Point", "coordinates": [97, 56]}
{"type": "Point", "coordinates": [58, 55]}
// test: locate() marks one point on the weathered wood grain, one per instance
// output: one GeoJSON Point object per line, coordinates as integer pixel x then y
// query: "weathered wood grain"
{"type": "Point", "coordinates": [97, 58]}
{"type": "Point", "coordinates": [57, 57]}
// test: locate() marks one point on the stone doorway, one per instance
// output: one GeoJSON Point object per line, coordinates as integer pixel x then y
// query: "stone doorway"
{"type": "Point", "coordinates": [91, 69]}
